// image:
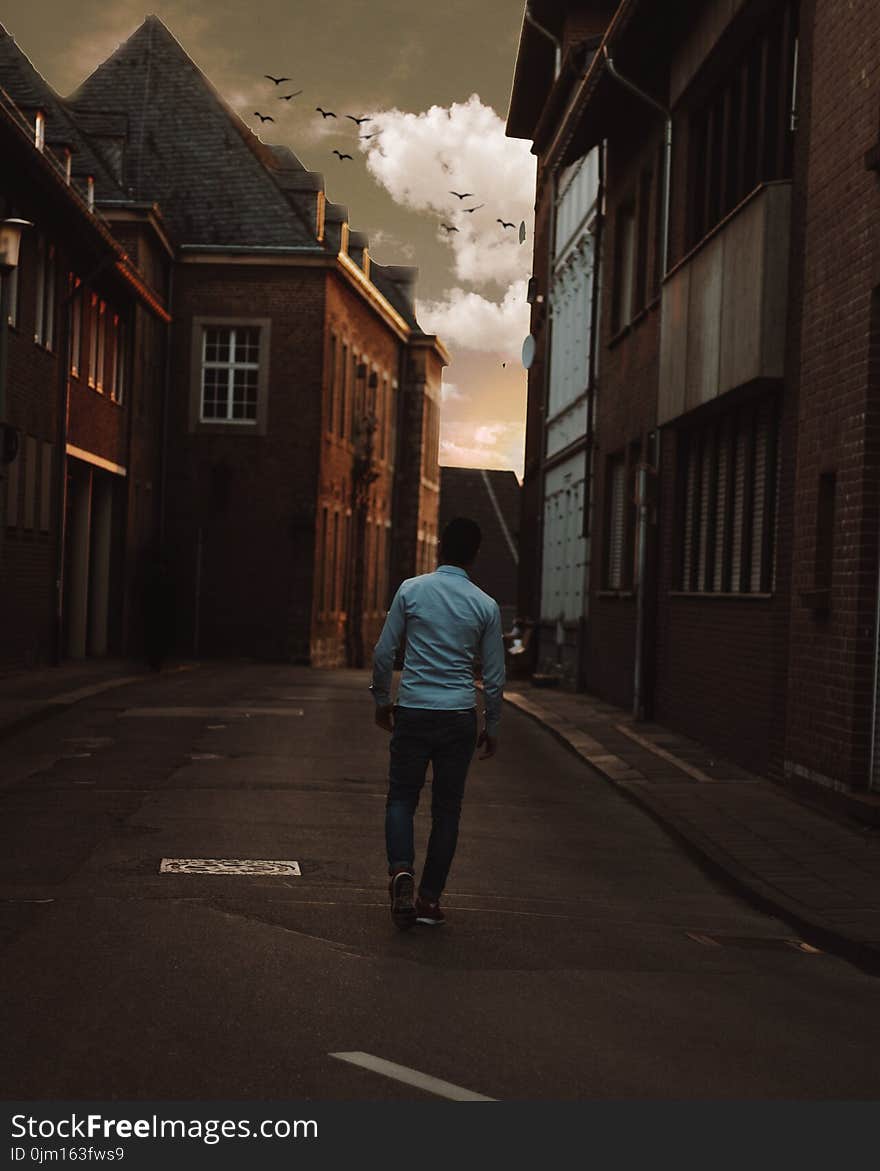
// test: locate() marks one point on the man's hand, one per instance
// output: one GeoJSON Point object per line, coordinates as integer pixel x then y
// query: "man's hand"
{"type": "Point", "coordinates": [488, 743]}
{"type": "Point", "coordinates": [384, 717]}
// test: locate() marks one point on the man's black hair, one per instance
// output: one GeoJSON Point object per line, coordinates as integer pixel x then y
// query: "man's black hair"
{"type": "Point", "coordinates": [460, 541]}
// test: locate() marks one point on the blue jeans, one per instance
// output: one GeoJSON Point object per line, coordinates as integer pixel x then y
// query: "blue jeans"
{"type": "Point", "coordinates": [447, 739]}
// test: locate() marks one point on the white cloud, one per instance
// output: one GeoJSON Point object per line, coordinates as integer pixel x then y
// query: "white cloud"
{"type": "Point", "coordinates": [490, 445]}
{"type": "Point", "coordinates": [467, 320]}
{"type": "Point", "coordinates": [451, 393]}
{"type": "Point", "coordinates": [420, 158]}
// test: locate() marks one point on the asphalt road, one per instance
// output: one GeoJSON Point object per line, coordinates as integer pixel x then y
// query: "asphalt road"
{"type": "Point", "coordinates": [566, 970]}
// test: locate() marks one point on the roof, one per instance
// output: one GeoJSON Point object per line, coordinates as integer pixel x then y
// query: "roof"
{"type": "Point", "coordinates": [30, 91]}
{"type": "Point", "coordinates": [188, 150]}
{"type": "Point", "coordinates": [469, 492]}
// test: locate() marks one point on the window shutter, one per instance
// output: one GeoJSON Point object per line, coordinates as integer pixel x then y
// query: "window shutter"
{"type": "Point", "coordinates": [720, 501]}
{"type": "Point", "coordinates": [690, 493]}
{"type": "Point", "coordinates": [616, 525]}
{"type": "Point", "coordinates": [758, 497]}
{"type": "Point", "coordinates": [739, 491]}
{"type": "Point", "coordinates": [705, 489]}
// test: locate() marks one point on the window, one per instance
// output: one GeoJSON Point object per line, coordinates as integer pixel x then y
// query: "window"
{"type": "Point", "coordinates": [741, 135]}
{"type": "Point", "coordinates": [334, 574]}
{"type": "Point", "coordinates": [12, 277]}
{"type": "Point", "coordinates": [44, 329]}
{"type": "Point", "coordinates": [322, 575]}
{"type": "Point", "coordinates": [624, 263]}
{"type": "Point", "coordinates": [90, 193]}
{"type": "Point", "coordinates": [120, 358]}
{"type": "Point", "coordinates": [330, 401]}
{"type": "Point", "coordinates": [76, 330]}
{"type": "Point", "coordinates": [343, 390]}
{"type": "Point", "coordinates": [40, 130]}
{"type": "Point", "coordinates": [46, 451]}
{"type": "Point", "coordinates": [646, 184]}
{"type": "Point", "coordinates": [93, 338]}
{"type": "Point", "coordinates": [230, 373]}
{"type": "Point", "coordinates": [615, 523]}
{"type": "Point", "coordinates": [102, 347]}
{"type": "Point", "coordinates": [727, 513]}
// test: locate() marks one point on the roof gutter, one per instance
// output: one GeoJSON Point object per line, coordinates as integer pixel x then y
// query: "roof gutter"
{"type": "Point", "coordinates": [557, 44]}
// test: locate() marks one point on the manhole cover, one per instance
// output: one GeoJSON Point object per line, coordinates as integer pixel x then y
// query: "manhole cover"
{"type": "Point", "coordinates": [227, 866]}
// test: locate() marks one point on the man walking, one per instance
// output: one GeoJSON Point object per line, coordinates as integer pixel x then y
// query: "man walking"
{"type": "Point", "coordinates": [446, 622]}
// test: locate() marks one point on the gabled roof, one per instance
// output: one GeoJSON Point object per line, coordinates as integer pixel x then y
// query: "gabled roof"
{"type": "Point", "coordinates": [30, 91]}
{"type": "Point", "coordinates": [188, 150]}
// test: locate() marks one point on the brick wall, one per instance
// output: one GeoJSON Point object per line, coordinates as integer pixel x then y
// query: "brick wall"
{"type": "Point", "coordinates": [831, 659]}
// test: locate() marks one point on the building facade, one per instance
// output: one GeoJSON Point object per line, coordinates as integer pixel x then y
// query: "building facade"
{"type": "Point", "coordinates": [733, 579]}
{"type": "Point", "coordinates": [282, 412]}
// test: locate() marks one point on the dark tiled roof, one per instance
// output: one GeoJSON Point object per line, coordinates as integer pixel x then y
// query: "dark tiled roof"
{"type": "Point", "coordinates": [188, 150]}
{"type": "Point", "coordinates": [390, 290]}
{"type": "Point", "coordinates": [463, 492]}
{"type": "Point", "coordinates": [30, 91]}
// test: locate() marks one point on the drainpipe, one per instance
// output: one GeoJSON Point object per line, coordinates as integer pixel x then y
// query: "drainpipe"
{"type": "Point", "coordinates": [642, 523]}
{"type": "Point", "coordinates": [557, 64]}
{"type": "Point", "coordinates": [667, 153]}
{"type": "Point", "coordinates": [589, 461]}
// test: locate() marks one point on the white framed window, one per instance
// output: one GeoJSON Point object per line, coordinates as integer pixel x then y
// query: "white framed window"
{"type": "Point", "coordinates": [44, 328]}
{"type": "Point", "coordinates": [119, 359]}
{"type": "Point", "coordinates": [230, 374]}
{"type": "Point", "coordinates": [90, 193]}
{"type": "Point", "coordinates": [40, 130]}
{"type": "Point", "coordinates": [76, 332]}
{"type": "Point", "coordinates": [93, 338]}
{"type": "Point", "coordinates": [102, 347]}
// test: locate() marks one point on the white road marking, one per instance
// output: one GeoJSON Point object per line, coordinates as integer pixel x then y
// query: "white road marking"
{"type": "Point", "coordinates": [412, 1077]}
{"type": "Point", "coordinates": [670, 757]}
{"type": "Point", "coordinates": [227, 866]}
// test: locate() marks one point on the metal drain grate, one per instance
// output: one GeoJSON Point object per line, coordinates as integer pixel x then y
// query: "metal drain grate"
{"type": "Point", "coordinates": [753, 942]}
{"type": "Point", "coordinates": [228, 866]}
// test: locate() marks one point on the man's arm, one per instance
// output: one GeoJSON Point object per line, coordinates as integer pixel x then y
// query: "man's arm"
{"type": "Point", "coordinates": [492, 655]}
{"type": "Point", "coordinates": [385, 650]}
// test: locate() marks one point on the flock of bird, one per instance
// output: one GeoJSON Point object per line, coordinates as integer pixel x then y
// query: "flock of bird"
{"type": "Point", "coordinates": [342, 155]}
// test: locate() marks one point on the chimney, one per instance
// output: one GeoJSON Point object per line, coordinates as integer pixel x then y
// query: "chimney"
{"type": "Point", "coordinates": [336, 226]}
{"type": "Point", "coordinates": [358, 250]}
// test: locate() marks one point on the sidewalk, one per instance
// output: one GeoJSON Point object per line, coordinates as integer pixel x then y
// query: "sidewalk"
{"type": "Point", "coordinates": [28, 696]}
{"type": "Point", "coordinates": [818, 871]}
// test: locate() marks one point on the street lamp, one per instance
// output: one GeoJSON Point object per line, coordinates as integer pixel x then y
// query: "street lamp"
{"type": "Point", "coordinates": [10, 243]}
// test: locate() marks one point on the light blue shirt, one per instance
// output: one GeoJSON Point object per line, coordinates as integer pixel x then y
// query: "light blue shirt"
{"type": "Point", "coordinates": [445, 621]}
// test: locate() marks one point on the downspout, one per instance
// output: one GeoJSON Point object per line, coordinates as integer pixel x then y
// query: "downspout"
{"type": "Point", "coordinates": [667, 153]}
{"type": "Point", "coordinates": [642, 522]}
{"type": "Point", "coordinates": [557, 44]}
{"type": "Point", "coordinates": [589, 461]}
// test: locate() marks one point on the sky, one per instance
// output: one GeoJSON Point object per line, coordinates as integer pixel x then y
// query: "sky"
{"type": "Point", "coordinates": [435, 80]}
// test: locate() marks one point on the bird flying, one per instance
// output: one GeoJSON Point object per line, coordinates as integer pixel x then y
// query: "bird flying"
{"type": "Point", "coordinates": [277, 80]}
{"type": "Point", "coordinates": [364, 137]}
{"type": "Point", "coordinates": [470, 209]}
{"type": "Point", "coordinates": [448, 228]}
{"type": "Point", "coordinates": [326, 113]}
{"type": "Point", "coordinates": [263, 117]}
{"type": "Point", "coordinates": [358, 120]}
{"type": "Point", "coordinates": [287, 97]}
{"type": "Point", "coordinates": [342, 156]}
{"type": "Point", "coordinates": [466, 195]}
{"type": "Point", "coordinates": [505, 224]}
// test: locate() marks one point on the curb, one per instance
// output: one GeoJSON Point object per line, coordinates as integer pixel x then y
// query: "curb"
{"type": "Point", "coordinates": [711, 858]}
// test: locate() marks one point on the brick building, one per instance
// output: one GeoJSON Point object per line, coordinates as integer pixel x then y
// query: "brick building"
{"type": "Point", "coordinates": [298, 400]}
{"type": "Point", "coordinates": [732, 584]}
{"type": "Point", "coordinates": [491, 497]}
{"type": "Point", "coordinates": [78, 504]}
